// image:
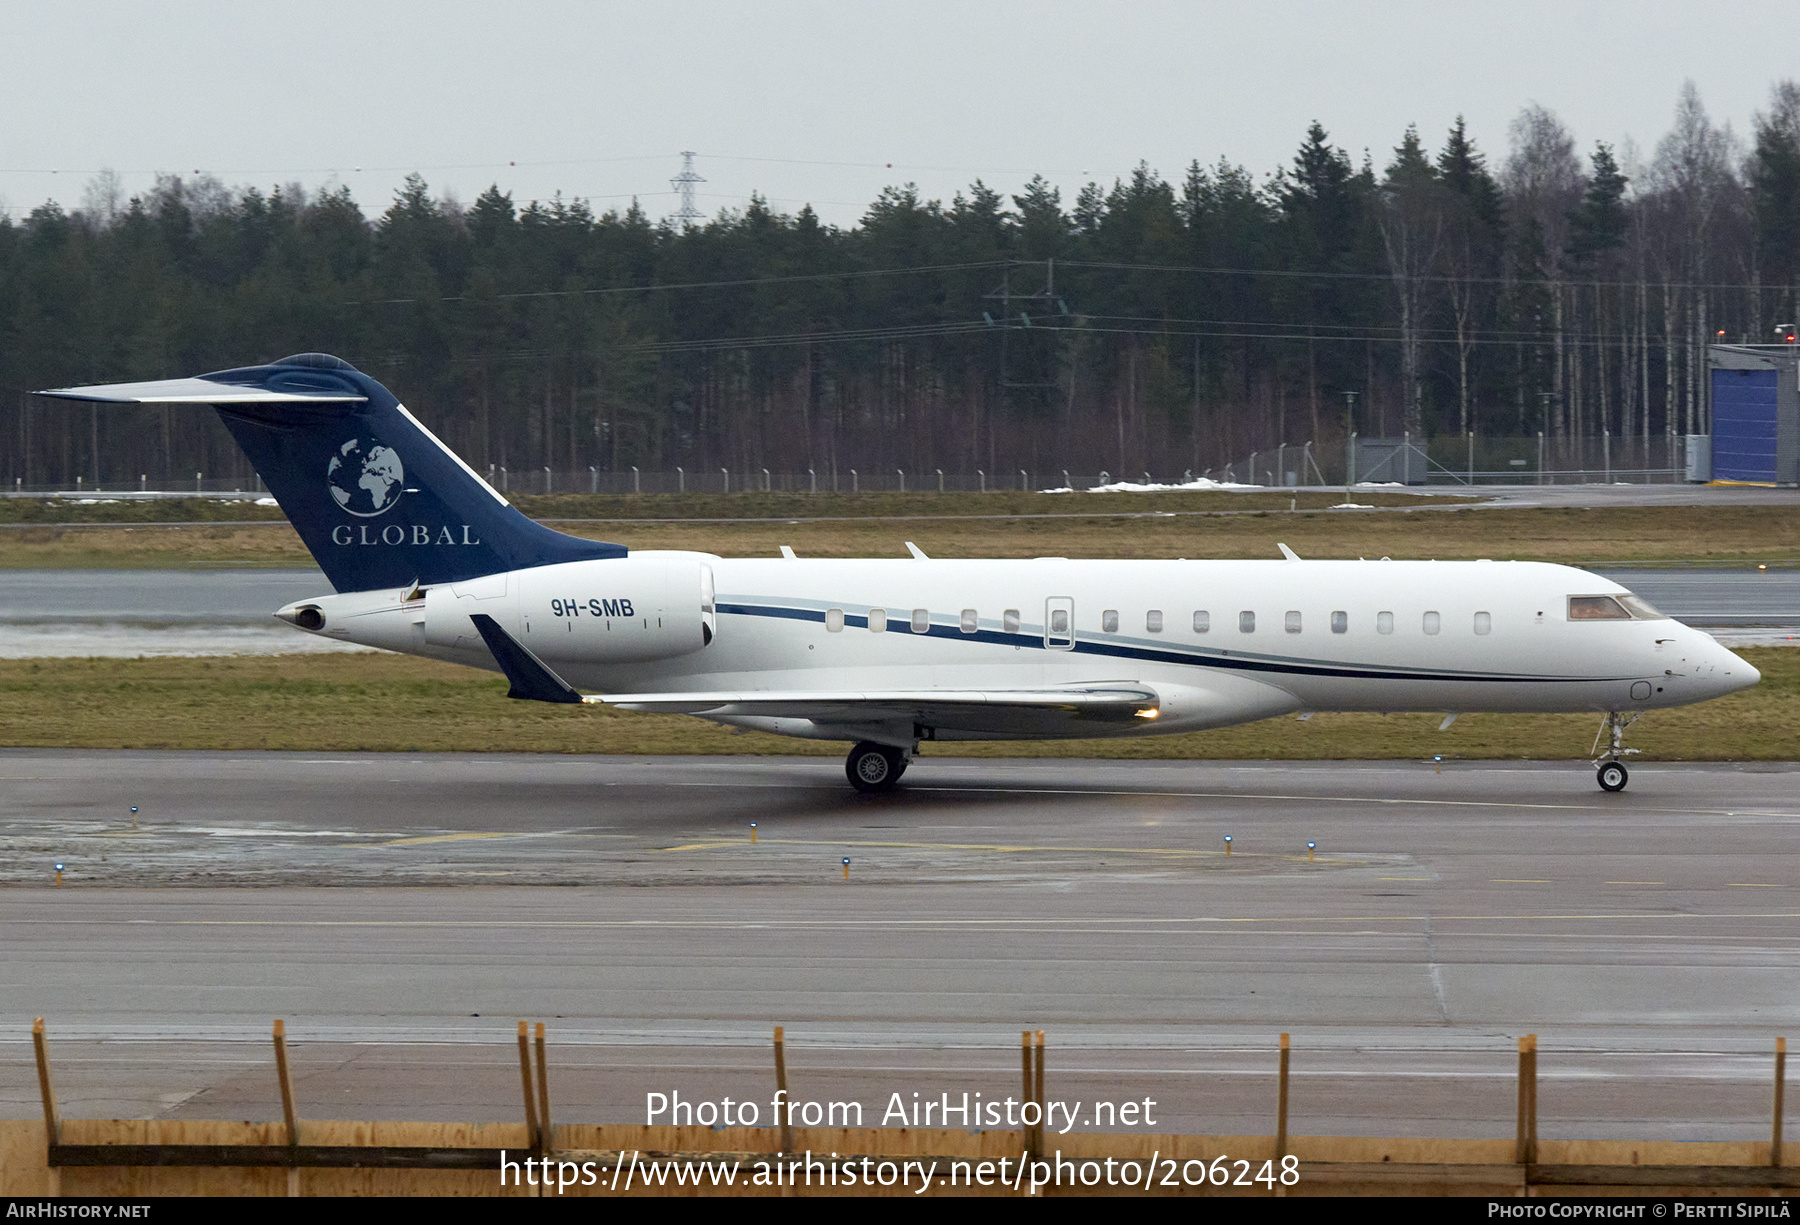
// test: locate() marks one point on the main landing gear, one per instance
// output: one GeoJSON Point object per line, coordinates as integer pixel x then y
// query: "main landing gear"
{"type": "Point", "coordinates": [875, 767]}
{"type": "Point", "coordinates": [1609, 770]}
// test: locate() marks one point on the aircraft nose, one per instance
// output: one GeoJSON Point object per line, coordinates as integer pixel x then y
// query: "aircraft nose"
{"type": "Point", "coordinates": [1740, 674]}
{"type": "Point", "coordinates": [1729, 671]}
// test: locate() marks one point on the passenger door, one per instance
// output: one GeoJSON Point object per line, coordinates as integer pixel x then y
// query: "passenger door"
{"type": "Point", "coordinates": [1059, 623]}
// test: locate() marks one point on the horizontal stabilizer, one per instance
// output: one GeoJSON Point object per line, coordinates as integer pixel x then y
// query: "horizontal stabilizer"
{"type": "Point", "coordinates": [197, 391]}
{"type": "Point", "coordinates": [530, 677]}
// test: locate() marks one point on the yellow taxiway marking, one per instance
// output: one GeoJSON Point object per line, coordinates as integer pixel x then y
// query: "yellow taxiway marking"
{"type": "Point", "coordinates": [1754, 884]}
{"type": "Point", "coordinates": [719, 843]}
{"type": "Point", "coordinates": [433, 838]}
{"type": "Point", "coordinates": [524, 833]}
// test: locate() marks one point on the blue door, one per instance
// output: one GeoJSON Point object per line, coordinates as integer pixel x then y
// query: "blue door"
{"type": "Point", "coordinates": [1743, 446]}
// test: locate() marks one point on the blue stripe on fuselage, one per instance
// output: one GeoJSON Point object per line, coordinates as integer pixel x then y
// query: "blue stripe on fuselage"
{"type": "Point", "coordinates": [1164, 655]}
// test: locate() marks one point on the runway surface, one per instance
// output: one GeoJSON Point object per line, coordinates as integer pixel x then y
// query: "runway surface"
{"type": "Point", "coordinates": [1648, 938]}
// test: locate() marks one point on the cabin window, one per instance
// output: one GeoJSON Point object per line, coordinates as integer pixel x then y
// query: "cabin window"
{"type": "Point", "coordinates": [877, 620]}
{"type": "Point", "coordinates": [1596, 608]}
{"type": "Point", "coordinates": [1059, 622]}
{"type": "Point", "coordinates": [1202, 621]}
{"type": "Point", "coordinates": [1340, 622]}
{"type": "Point", "coordinates": [921, 621]}
{"type": "Point", "coordinates": [1009, 620]}
{"type": "Point", "coordinates": [1246, 623]}
{"type": "Point", "coordinates": [1153, 620]}
{"type": "Point", "coordinates": [1292, 624]}
{"type": "Point", "coordinates": [1432, 623]}
{"type": "Point", "coordinates": [1109, 621]}
{"type": "Point", "coordinates": [1484, 623]}
{"type": "Point", "coordinates": [834, 620]}
{"type": "Point", "coordinates": [1384, 623]}
{"type": "Point", "coordinates": [970, 621]}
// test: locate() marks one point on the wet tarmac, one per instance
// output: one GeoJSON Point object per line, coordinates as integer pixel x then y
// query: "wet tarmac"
{"type": "Point", "coordinates": [381, 905]}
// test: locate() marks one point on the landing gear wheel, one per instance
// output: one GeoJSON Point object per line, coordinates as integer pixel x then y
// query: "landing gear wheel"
{"type": "Point", "coordinates": [1610, 770]}
{"type": "Point", "coordinates": [873, 768]}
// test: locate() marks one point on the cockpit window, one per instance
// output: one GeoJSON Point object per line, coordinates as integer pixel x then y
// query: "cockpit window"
{"type": "Point", "coordinates": [1596, 608]}
{"type": "Point", "coordinates": [1641, 609]}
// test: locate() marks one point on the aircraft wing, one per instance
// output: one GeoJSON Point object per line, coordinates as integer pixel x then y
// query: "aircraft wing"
{"type": "Point", "coordinates": [1108, 701]}
{"type": "Point", "coordinates": [804, 702]}
{"type": "Point", "coordinates": [964, 709]}
{"type": "Point", "coordinates": [196, 391]}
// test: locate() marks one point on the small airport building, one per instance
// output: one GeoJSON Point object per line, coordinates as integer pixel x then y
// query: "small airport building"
{"type": "Point", "coordinates": [1755, 415]}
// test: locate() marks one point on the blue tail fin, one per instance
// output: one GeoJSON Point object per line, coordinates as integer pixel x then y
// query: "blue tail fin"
{"type": "Point", "coordinates": [379, 500]}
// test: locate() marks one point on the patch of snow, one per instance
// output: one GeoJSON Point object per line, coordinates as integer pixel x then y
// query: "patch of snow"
{"type": "Point", "coordinates": [1196, 485]}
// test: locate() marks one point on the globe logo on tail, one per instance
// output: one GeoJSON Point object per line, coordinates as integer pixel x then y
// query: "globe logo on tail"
{"type": "Point", "coordinates": [365, 477]}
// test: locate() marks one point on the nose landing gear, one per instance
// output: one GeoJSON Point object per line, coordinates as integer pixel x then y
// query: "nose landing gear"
{"type": "Point", "coordinates": [1610, 772]}
{"type": "Point", "coordinates": [875, 767]}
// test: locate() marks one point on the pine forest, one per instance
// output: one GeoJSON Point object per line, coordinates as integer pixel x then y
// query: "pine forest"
{"type": "Point", "coordinates": [1155, 325]}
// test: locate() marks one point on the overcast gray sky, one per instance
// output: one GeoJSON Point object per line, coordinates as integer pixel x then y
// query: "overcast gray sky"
{"type": "Point", "coordinates": [821, 102]}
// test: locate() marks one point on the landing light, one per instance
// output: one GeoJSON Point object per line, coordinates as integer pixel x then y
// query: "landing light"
{"type": "Point", "coordinates": [1148, 714]}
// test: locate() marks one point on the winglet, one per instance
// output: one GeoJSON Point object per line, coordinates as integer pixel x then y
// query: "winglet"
{"type": "Point", "coordinates": [916, 551]}
{"type": "Point", "coordinates": [530, 677]}
{"type": "Point", "coordinates": [1288, 553]}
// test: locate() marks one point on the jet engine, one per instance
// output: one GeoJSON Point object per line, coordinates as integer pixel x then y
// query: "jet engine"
{"type": "Point", "coordinates": [653, 605]}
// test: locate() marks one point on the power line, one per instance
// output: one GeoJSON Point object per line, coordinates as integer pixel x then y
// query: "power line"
{"type": "Point", "coordinates": [1306, 275]}
{"type": "Point", "coordinates": [1082, 325]}
{"type": "Point", "coordinates": [850, 274]}
{"type": "Point", "coordinates": [1104, 265]}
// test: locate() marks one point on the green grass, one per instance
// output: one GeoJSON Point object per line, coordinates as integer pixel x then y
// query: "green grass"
{"type": "Point", "coordinates": [878, 525]}
{"type": "Point", "coordinates": [399, 703]}
{"type": "Point", "coordinates": [100, 509]}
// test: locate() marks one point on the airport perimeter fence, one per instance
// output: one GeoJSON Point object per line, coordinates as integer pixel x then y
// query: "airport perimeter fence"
{"type": "Point", "coordinates": [539, 1156]}
{"type": "Point", "coordinates": [1446, 459]}
{"type": "Point", "coordinates": [1467, 460]}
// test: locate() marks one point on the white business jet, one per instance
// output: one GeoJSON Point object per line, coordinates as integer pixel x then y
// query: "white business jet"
{"type": "Point", "coordinates": [428, 559]}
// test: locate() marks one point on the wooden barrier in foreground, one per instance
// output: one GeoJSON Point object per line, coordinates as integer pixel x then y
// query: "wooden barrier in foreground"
{"type": "Point", "coordinates": [143, 1157]}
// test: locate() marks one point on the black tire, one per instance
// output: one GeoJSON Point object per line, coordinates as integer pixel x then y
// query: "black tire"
{"type": "Point", "coordinates": [1613, 776]}
{"type": "Point", "coordinates": [874, 768]}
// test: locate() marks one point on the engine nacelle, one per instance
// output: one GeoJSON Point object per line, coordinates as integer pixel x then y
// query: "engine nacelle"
{"type": "Point", "coordinates": [654, 605]}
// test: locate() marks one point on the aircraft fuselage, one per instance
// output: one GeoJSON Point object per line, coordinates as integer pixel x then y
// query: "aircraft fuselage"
{"type": "Point", "coordinates": [1220, 642]}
